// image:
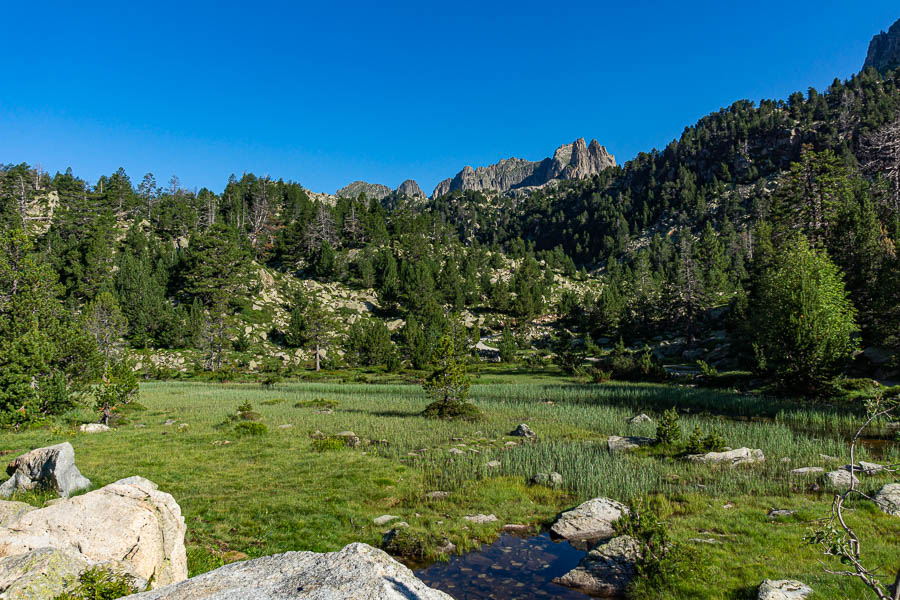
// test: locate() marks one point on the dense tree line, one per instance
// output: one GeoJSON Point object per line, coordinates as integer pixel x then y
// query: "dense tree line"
{"type": "Point", "coordinates": [747, 203]}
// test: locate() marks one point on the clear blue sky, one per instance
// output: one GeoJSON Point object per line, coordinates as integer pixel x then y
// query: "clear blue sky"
{"type": "Point", "coordinates": [329, 92]}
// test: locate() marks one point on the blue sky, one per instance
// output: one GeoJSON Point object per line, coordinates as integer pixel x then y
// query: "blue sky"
{"type": "Point", "coordinates": [382, 91]}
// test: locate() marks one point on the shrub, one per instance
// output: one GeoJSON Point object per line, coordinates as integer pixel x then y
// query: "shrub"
{"type": "Point", "coordinates": [668, 430]}
{"type": "Point", "coordinates": [250, 428]}
{"type": "Point", "coordinates": [706, 370]}
{"type": "Point", "coordinates": [100, 584]}
{"type": "Point", "coordinates": [599, 375]}
{"type": "Point", "coordinates": [329, 444]}
{"type": "Point", "coordinates": [659, 558]}
{"type": "Point", "coordinates": [633, 366]}
{"type": "Point", "coordinates": [316, 403]}
{"type": "Point", "coordinates": [699, 443]}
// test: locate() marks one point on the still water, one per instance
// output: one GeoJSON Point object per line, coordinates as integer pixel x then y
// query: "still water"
{"type": "Point", "coordinates": [512, 568]}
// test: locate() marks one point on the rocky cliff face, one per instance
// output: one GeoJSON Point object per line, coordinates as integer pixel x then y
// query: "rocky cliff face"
{"type": "Point", "coordinates": [884, 50]}
{"type": "Point", "coordinates": [410, 188]}
{"type": "Point", "coordinates": [570, 161]}
{"type": "Point", "coordinates": [371, 190]}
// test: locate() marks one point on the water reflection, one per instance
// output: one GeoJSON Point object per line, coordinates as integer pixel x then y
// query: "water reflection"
{"type": "Point", "coordinates": [511, 568]}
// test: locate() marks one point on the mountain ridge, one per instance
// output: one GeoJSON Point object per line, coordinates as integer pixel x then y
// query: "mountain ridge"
{"type": "Point", "coordinates": [576, 160]}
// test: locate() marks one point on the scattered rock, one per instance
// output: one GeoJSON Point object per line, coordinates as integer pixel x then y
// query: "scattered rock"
{"type": "Point", "coordinates": [517, 529]}
{"type": "Point", "coordinates": [169, 422]}
{"type": "Point", "coordinates": [140, 426]}
{"type": "Point", "coordinates": [492, 464]}
{"type": "Point", "coordinates": [401, 525]}
{"type": "Point", "coordinates": [41, 574]}
{"type": "Point", "coordinates": [807, 470]}
{"type": "Point", "coordinates": [546, 479]}
{"type": "Point", "coordinates": [93, 428]}
{"type": "Point", "coordinates": [827, 458]}
{"type": "Point", "coordinates": [384, 519]}
{"type": "Point", "coordinates": [781, 512]}
{"type": "Point", "coordinates": [784, 589]}
{"type": "Point", "coordinates": [447, 547]}
{"type": "Point", "coordinates": [869, 468]}
{"type": "Point", "coordinates": [11, 511]}
{"type": "Point", "coordinates": [524, 431]}
{"type": "Point", "coordinates": [510, 444]}
{"type": "Point", "coordinates": [637, 420]}
{"type": "Point", "coordinates": [888, 499]}
{"type": "Point", "coordinates": [786, 460]}
{"type": "Point", "coordinates": [132, 526]}
{"type": "Point", "coordinates": [480, 519]}
{"type": "Point", "coordinates": [591, 520]}
{"type": "Point", "coordinates": [317, 435]}
{"type": "Point", "coordinates": [437, 495]}
{"type": "Point", "coordinates": [711, 541]}
{"type": "Point", "coordinates": [732, 458]}
{"type": "Point", "coordinates": [607, 569]}
{"type": "Point", "coordinates": [617, 443]}
{"type": "Point", "coordinates": [52, 468]}
{"type": "Point", "coordinates": [456, 451]}
{"type": "Point", "coordinates": [286, 426]}
{"type": "Point", "coordinates": [841, 478]}
{"type": "Point", "coordinates": [357, 571]}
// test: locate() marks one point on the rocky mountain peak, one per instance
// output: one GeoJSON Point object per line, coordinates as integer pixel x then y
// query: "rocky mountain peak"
{"type": "Point", "coordinates": [884, 50]}
{"type": "Point", "coordinates": [371, 190]}
{"type": "Point", "coordinates": [410, 188]}
{"type": "Point", "coordinates": [576, 160]}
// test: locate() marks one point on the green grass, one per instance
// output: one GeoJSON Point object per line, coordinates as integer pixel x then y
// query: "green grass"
{"type": "Point", "coordinates": [283, 490]}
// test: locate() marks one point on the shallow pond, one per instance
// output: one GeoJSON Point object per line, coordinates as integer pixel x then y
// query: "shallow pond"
{"type": "Point", "coordinates": [512, 568]}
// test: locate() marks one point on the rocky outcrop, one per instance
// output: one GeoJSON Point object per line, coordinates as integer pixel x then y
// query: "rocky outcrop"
{"type": "Point", "coordinates": [357, 571]}
{"type": "Point", "coordinates": [784, 589]}
{"type": "Point", "coordinates": [884, 50]}
{"type": "Point", "coordinates": [888, 499]}
{"type": "Point", "coordinates": [371, 190]}
{"type": "Point", "coordinates": [618, 443]}
{"type": "Point", "coordinates": [411, 189]}
{"type": "Point", "coordinates": [128, 526]}
{"type": "Point", "coordinates": [606, 571]}
{"type": "Point", "coordinates": [591, 520]}
{"type": "Point", "coordinates": [11, 511]}
{"type": "Point", "coordinates": [45, 468]}
{"type": "Point", "coordinates": [40, 574]}
{"type": "Point", "coordinates": [523, 430]}
{"type": "Point", "coordinates": [738, 456]}
{"type": "Point", "coordinates": [570, 161]}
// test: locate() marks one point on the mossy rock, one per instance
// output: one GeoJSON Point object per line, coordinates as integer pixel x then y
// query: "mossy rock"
{"type": "Point", "coordinates": [41, 574]}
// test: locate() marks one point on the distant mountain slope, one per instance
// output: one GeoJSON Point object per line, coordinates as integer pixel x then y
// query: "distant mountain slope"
{"type": "Point", "coordinates": [570, 161]}
{"type": "Point", "coordinates": [884, 50]}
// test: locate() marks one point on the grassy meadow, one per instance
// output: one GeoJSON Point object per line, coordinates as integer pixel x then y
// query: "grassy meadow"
{"type": "Point", "coordinates": [283, 490]}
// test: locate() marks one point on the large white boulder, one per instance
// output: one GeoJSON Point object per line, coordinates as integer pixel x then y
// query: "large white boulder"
{"type": "Point", "coordinates": [357, 571]}
{"type": "Point", "coordinates": [591, 520]}
{"type": "Point", "coordinates": [131, 526]}
{"type": "Point", "coordinates": [52, 467]}
{"type": "Point", "coordinates": [783, 589]}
